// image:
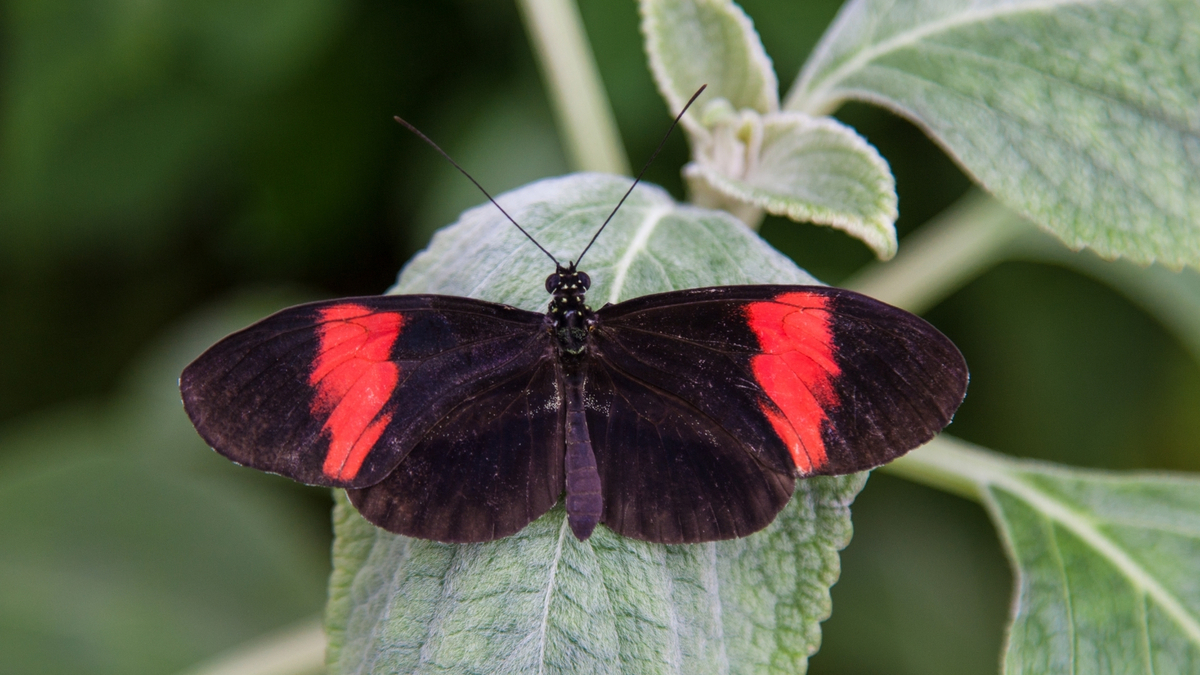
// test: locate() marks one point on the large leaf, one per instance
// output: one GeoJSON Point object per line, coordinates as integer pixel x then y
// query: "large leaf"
{"type": "Point", "coordinates": [652, 244]}
{"type": "Point", "coordinates": [1082, 116]}
{"type": "Point", "coordinates": [1106, 562]}
{"type": "Point", "coordinates": [541, 601]}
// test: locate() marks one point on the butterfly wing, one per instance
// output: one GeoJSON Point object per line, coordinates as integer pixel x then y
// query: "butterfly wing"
{"type": "Point", "coordinates": [488, 468]}
{"type": "Point", "coordinates": [751, 386]}
{"type": "Point", "coordinates": [671, 473]}
{"type": "Point", "coordinates": [338, 393]}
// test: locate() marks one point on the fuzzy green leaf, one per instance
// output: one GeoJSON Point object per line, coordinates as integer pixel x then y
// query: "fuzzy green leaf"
{"type": "Point", "coordinates": [653, 244]}
{"type": "Point", "coordinates": [1106, 562]}
{"type": "Point", "coordinates": [1082, 116]}
{"type": "Point", "coordinates": [541, 601]}
{"type": "Point", "coordinates": [747, 157]}
{"type": "Point", "coordinates": [713, 42]}
{"type": "Point", "coordinates": [815, 170]}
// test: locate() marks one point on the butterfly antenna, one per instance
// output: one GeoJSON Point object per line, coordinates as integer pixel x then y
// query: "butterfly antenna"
{"type": "Point", "coordinates": [643, 171]}
{"type": "Point", "coordinates": [485, 192]}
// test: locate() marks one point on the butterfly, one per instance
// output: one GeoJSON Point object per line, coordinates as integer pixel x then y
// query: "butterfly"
{"type": "Point", "coordinates": [679, 417]}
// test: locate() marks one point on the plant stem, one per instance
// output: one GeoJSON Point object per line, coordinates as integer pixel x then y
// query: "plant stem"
{"type": "Point", "coordinates": [948, 464]}
{"type": "Point", "coordinates": [581, 108]}
{"type": "Point", "coordinates": [297, 650]}
{"type": "Point", "coordinates": [952, 249]}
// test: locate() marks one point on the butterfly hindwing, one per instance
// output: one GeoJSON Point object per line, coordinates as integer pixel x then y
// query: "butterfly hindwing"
{"type": "Point", "coordinates": [491, 466]}
{"type": "Point", "coordinates": [337, 393]}
{"type": "Point", "coordinates": [671, 473]}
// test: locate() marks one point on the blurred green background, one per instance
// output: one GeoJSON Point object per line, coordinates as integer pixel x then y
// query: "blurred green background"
{"type": "Point", "coordinates": [170, 171]}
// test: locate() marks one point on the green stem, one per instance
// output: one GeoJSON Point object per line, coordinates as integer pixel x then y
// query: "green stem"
{"type": "Point", "coordinates": [942, 256]}
{"type": "Point", "coordinates": [948, 464]}
{"type": "Point", "coordinates": [297, 650]}
{"type": "Point", "coordinates": [581, 108]}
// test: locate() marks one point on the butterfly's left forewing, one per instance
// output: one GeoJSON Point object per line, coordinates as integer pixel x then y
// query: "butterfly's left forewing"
{"type": "Point", "coordinates": [799, 380]}
{"type": "Point", "coordinates": [338, 393]}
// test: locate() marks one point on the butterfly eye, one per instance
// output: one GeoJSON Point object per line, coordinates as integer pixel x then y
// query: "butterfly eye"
{"type": "Point", "coordinates": [551, 283]}
{"type": "Point", "coordinates": [585, 280]}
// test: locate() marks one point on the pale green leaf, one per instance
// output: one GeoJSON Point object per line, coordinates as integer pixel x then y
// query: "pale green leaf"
{"type": "Point", "coordinates": [1082, 116]}
{"type": "Point", "coordinates": [814, 170]}
{"type": "Point", "coordinates": [541, 601]}
{"type": "Point", "coordinates": [1106, 563]}
{"type": "Point", "coordinates": [713, 42]}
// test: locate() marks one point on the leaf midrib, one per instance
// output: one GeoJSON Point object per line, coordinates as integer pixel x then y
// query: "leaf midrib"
{"type": "Point", "coordinates": [641, 238]}
{"type": "Point", "coordinates": [562, 533]}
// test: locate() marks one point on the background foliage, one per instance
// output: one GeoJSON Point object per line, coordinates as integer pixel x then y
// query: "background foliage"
{"type": "Point", "coordinates": [160, 160]}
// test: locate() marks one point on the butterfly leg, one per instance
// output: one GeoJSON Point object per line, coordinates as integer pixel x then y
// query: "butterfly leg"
{"type": "Point", "coordinates": [585, 504]}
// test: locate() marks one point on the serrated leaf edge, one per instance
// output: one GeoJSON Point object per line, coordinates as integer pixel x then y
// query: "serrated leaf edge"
{"type": "Point", "coordinates": [878, 232]}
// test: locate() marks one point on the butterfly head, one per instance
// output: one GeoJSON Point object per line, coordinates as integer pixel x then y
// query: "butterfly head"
{"type": "Point", "coordinates": [567, 281]}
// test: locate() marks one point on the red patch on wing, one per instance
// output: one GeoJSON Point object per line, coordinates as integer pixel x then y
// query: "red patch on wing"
{"type": "Point", "coordinates": [354, 377]}
{"type": "Point", "coordinates": [796, 369]}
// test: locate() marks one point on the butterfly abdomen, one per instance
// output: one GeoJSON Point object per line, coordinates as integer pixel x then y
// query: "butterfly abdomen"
{"type": "Point", "coordinates": [584, 502]}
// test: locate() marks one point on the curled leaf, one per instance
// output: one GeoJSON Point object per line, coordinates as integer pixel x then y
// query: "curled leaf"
{"type": "Point", "coordinates": [806, 169]}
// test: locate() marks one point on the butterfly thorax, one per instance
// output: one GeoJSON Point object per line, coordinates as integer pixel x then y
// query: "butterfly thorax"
{"type": "Point", "coordinates": [569, 314]}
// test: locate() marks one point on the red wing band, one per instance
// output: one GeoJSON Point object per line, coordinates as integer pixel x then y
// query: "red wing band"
{"type": "Point", "coordinates": [796, 369]}
{"type": "Point", "coordinates": [354, 377]}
